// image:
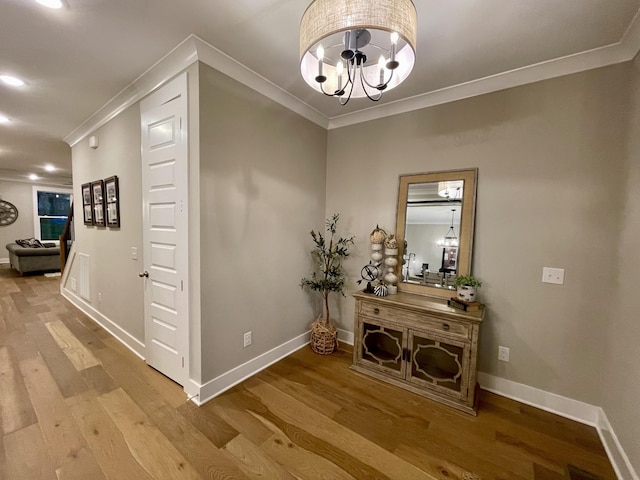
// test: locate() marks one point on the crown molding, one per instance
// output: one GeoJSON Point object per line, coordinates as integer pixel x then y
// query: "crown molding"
{"type": "Point", "coordinates": [167, 67]}
{"type": "Point", "coordinates": [213, 57]}
{"type": "Point", "coordinates": [194, 49]}
{"type": "Point", "coordinates": [190, 50]}
{"type": "Point", "coordinates": [558, 67]}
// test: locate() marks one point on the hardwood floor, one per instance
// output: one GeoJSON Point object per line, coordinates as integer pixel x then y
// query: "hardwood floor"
{"type": "Point", "coordinates": [77, 405]}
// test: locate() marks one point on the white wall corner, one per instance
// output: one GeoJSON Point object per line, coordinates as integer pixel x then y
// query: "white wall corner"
{"type": "Point", "coordinates": [129, 341]}
{"type": "Point", "coordinates": [236, 375]}
{"type": "Point", "coordinates": [565, 407]}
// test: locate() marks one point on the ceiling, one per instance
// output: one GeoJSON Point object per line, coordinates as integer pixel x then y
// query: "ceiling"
{"type": "Point", "coordinates": [77, 58]}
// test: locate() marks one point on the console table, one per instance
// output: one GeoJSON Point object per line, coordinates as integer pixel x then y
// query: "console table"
{"type": "Point", "coordinates": [420, 344]}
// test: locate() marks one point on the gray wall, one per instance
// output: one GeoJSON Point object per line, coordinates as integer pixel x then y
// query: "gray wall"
{"type": "Point", "coordinates": [550, 193]}
{"type": "Point", "coordinates": [112, 271]}
{"type": "Point", "coordinates": [621, 384]}
{"type": "Point", "coordinates": [262, 184]}
{"type": "Point", "coordinates": [21, 195]}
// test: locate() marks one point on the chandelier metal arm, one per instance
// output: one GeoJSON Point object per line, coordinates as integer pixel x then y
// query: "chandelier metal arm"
{"type": "Point", "coordinates": [348, 98]}
{"type": "Point", "coordinates": [364, 81]}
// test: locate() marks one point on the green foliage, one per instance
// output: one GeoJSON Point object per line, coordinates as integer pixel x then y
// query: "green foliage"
{"type": "Point", "coordinates": [468, 280]}
{"type": "Point", "coordinates": [328, 257]}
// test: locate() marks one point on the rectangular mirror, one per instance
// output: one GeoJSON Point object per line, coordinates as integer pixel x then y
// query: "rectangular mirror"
{"type": "Point", "coordinates": [435, 221]}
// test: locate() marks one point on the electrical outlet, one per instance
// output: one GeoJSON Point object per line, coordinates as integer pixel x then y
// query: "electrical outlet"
{"type": "Point", "coordinates": [99, 297]}
{"type": "Point", "coordinates": [503, 354]}
{"type": "Point", "coordinates": [553, 275]}
{"type": "Point", "coordinates": [134, 253]}
{"type": "Point", "coordinates": [247, 339]}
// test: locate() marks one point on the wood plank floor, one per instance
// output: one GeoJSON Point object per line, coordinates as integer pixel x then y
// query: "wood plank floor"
{"type": "Point", "coordinates": [77, 405]}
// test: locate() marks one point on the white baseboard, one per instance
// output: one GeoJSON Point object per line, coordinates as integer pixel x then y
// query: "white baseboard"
{"type": "Point", "coordinates": [621, 464]}
{"type": "Point", "coordinates": [132, 343]}
{"type": "Point", "coordinates": [345, 336]}
{"type": "Point", "coordinates": [568, 408]}
{"type": "Point", "coordinates": [4, 260]}
{"type": "Point", "coordinates": [227, 380]}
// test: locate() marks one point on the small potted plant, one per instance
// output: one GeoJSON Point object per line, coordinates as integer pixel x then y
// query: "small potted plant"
{"type": "Point", "coordinates": [467, 286]}
{"type": "Point", "coordinates": [327, 278]}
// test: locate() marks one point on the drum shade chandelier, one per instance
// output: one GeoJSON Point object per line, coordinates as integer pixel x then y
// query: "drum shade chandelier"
{"type": "Point", "coordinates": [357, 48]}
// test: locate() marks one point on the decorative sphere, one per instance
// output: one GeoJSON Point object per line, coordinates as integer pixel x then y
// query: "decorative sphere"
{"type": "Point", "coordinates": [376, 256]}
{"type": "Point", "coordinates": [391, 261]}
{"type": "Point", "coordinates": [391, 278]}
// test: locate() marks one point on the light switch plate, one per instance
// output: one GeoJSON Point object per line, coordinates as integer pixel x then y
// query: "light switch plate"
{"type": "Point", "coordinates": [553, 275]}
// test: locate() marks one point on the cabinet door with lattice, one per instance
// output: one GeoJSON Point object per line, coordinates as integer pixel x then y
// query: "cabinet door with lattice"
{"type": "Point", "coordinates": [381, 346]}
{"type": "Point", "coordinates": [439, 363]}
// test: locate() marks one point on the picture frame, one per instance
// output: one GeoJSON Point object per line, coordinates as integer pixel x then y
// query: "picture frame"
{"type": "Point", "coordinates": [87, 204]}
{"type": "Point", "coordinates": [112, 201]}
{"type": "Point", "coordinates": [97, 199]}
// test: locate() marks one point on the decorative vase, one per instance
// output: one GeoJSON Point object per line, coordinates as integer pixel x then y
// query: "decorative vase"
{"type": "Point", "coordinates": [467, 293]}
{"type": "Point", "coordinates": [324, 337]}
{"type": "Point", "coordinates": [391, 262]}
{"type": "Point", "coordinates": [380, 290]}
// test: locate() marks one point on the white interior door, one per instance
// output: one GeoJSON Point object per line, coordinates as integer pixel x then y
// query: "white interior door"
{"type": "Point", "coordinates": [165, 229]}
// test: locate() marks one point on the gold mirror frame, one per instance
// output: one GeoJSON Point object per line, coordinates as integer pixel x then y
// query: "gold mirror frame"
{"type": "Point", "coordinates": [467, 221]}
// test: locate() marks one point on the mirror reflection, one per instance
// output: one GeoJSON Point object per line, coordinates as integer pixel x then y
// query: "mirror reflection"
{"type": "Point", "coordinates": [432, 232]}
{"type": "Point", "coordinates": [436, 213]}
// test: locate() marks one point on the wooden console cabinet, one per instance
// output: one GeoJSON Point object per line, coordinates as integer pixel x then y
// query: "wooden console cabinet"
{"type": "Point", "coordinates": [420, 344]}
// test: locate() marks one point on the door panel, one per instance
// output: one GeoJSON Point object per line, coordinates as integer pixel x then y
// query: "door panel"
{"type": "Point", "coordinates": [165, 228]}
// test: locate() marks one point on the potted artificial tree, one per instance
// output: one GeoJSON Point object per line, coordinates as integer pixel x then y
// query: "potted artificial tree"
{"type": "Point", "coordinates": [327, 278]}
{"type": "Point", "coordinates": [467, 286]}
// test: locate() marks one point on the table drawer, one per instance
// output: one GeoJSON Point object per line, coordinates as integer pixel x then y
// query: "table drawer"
{"type": "Point", "coordinates": [420, 320]}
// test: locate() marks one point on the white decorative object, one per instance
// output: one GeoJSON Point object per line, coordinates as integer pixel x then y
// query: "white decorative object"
{"type": "Point", "coordinates": [391, 262]}
{"type": "Point", "coordinates": [391, 278]}
{"type": "Point", "coordinates": [467, 293]}
{"type": "Point", "coordinates": [376, 256]}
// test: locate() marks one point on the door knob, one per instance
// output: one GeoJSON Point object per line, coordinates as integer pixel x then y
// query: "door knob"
{"type": "Point", "coordinates": [144, 274]}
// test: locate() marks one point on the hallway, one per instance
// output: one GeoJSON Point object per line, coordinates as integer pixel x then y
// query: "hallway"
{"type": "Point", "coordinates": [77, 405]}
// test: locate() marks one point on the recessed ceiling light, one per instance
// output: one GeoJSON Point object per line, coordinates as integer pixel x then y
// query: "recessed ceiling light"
{"type": "Point", "coordinates": [50, 168]}
{"type": "Point", "coordinates": [50, 3]}
{"type": "Point", "coordinates": [4, 119]}
{"type": "Point", "coordinates": [12, 81]}
{"type": "Point", "coordinates": [33, 176]}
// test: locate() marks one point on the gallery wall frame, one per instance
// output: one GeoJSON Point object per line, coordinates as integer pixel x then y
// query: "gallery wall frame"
{"type": "Point", "coordinates": [112, 201]}
{"type": "Point", "coordinates": [97, 197]}
{"type": "Point", "coordinates": [87, 204]}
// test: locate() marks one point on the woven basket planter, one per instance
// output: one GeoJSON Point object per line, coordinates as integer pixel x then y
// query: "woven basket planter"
{"type": "Point", "coordinates": [324, 337]}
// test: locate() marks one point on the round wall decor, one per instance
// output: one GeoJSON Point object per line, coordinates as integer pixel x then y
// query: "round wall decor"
{"type": "Point", "coordinates": [8, 213]}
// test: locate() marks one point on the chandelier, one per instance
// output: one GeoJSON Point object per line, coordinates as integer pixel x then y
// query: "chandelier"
{"type": "Point", "coordinates": [451, 190]}
{"type": "Point", "coordinates": [450, 239]}
{"type": "Point", "coordinates": [357, 48]}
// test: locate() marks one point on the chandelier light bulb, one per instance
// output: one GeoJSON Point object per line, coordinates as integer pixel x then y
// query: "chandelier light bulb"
{"type": "Point", "coordinates": [381, 63]}
{"type": "Point", "coordinates": [50, 3]}
{"type": "Point", "coordinates": [394, 38]}
{"type": "Point", "coordinates": [11, 81]}
{"type": "Point", "coordinates": [320, 52]}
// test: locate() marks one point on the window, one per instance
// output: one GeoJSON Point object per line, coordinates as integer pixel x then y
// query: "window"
{"type": "Point", "coordinates": [51, 207]}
